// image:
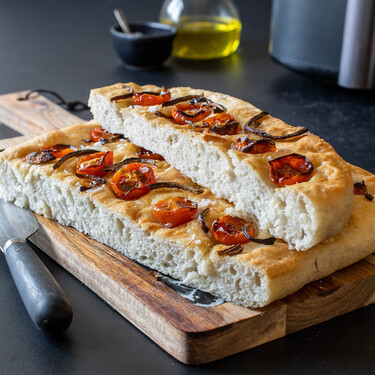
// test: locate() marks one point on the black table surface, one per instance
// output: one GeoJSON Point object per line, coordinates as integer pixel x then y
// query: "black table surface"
{"type": "Point", "coordinates": [66, 46]}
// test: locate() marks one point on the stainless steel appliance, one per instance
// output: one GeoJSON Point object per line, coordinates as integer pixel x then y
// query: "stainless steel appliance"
{"type": "Point", "coordinates": [334, 39]}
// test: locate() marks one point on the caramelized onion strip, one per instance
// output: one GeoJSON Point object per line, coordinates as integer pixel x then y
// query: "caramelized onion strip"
{"type": "Point", "coordinates": [152, 93]}
{"type": "Point", "coordinates": [116, 137]}
{"type": "Point", "coordinates": [94, 181]}
{"type": "Point", "coordinates": [73, 155]}
{"type": "Point", "coordinates": [202, 222]}
{"type": "Point", "coordinates": [263, 241]}
{"type": "Point", "coordinates": [162, 114]}
{"type": "Point", "coordinates": [123, 96]}
{"type": "Point", "coordinates": [264, 134]}
{"type": "Point", "coordinates": [229, 127]}
{"type": "Point", "coordinates": [204, 126]}
{"type": "Point", "coordinates": [179, 100]}
{"type": "Point", "coordinates": [252, 127]}
{"type": "Point", "coordinates": [217, 107]}
{"type": "Point", "coordinates": [115, 167]}
{"type": "Point", "coordinates": [195, 114]}
{"type": "Point", "coordinates": [231, 251]}
{"type": "Point", "coordinates": [175, 185]}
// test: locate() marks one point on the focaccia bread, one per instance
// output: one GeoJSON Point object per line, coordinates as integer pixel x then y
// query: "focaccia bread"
{"type": "Point", "coordinates": [303, 214]}
{"type": "Point", "coordinates": [254, 275]}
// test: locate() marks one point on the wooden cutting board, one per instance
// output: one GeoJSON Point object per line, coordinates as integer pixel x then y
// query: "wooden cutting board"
{"type": "Point", "coordinates": [190, 333]}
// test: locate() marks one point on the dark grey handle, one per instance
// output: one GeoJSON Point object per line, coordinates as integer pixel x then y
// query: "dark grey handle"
{"type": "Point", "coordinates": [45, 301]}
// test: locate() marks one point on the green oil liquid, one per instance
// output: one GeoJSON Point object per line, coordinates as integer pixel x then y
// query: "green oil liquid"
{"type": "Point", "coordinates": [206, 38]}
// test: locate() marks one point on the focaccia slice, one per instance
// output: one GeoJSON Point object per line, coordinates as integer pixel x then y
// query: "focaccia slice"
{"type": "Point", "coordinates": [303, 214]}
{"type": "Point", "coordinates": [255, 276]}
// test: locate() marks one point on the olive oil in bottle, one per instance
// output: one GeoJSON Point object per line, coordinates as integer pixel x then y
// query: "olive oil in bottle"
{"type": "Point", "coordinates": [206, 37]}
{"type": "Point", "coordinates": [206, 29]}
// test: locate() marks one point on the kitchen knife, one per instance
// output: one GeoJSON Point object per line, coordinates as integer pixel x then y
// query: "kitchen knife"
{"type": "Point", "coordinates": [45, 301]}
{"type": "Point", "coordinates": [196, 296]}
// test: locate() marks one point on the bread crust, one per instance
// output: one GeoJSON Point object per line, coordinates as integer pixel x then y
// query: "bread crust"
{"type": "Point", "coordinates": [303, 214]}
{"type": "Point", "coordinates": [256, 277]}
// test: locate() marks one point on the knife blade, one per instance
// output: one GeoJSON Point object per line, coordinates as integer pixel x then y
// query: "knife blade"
{"type": "Point", "coordinates": [194, 295]}
{"type": "Point", "coordinates": [45, 301]}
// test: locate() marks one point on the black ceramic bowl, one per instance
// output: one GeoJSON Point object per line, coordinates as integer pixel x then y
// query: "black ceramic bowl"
{"type": "Point", "coordinates": [150, 48]}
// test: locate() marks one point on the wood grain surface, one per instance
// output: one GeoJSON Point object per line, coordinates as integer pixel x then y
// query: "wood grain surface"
{"type": "Point", "coordinates": [190, 333]}
{"type": "Point", "coordinates": [35, 116]}
{"type": "Point", "coordinates": [14, 141]}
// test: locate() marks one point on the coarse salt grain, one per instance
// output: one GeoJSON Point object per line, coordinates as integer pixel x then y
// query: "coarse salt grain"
{"type": "Point", "coordinates": [153, 108]}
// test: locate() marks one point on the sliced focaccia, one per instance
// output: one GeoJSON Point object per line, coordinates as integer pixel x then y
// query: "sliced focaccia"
{"type": "Point", "coordinates": [291, 180]}
{"type": "Point", "coordinates": [198, 248]}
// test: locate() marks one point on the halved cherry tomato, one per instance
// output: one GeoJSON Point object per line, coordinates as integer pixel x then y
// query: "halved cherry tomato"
{"type": "Point", "coordinates": [185, 113]}
{"type": "Point", "coordinates": [148, 99]}
{"type": "Point", "coordinates": [103, 136]}
{"type": "Point", "coordinates": [228, 230]}
{"type": "Point", "coordinates": [132, 181]}
{"type": "Point", "coordinates": [58, 150]}
{"type": "Point", "coordinates": [143, 153]}
{"type": "Point", "coordinates": [222, 124]}
{"type": "Point", "coordinates": [290, 169]}
{"type": "Point", "coordinates": [219, 119]}
{"type": "Point", "coordinates": [174, 212]}
{"type": "Point", "coordinates": [94, 164]}
{"type": "Point", "coordinates": [250, 146]}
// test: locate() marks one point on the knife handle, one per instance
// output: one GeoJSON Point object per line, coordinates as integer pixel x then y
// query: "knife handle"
{"type": "Point", "coordinates": [45, 301]}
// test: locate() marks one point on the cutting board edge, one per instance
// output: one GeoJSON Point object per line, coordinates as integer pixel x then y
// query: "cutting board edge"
{"type": "Point", "coordinates": [200, 347]}
{"type": "Point", "coordinates": [195, 347]}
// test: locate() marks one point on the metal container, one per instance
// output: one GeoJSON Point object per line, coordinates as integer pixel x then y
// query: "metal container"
{"type": "Point", "coordinates": [334, 38]}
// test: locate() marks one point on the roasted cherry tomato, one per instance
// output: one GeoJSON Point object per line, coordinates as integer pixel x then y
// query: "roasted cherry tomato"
{"type": "Point", "coordinates": [148, 99]}
{"type": "Point", "coordinates": [143, 153]}
{"type": "Point", "coordinates": [290, 169]}
{"type": "Point", "coordinates": [103, 136]}
{"type": "Point", "coordinates": [58, 150]}
{"type": "Point", "coordinates": [219, 119]}
{"type": "Point", "coordinates": [222, 124]}
{"type": "Point", "coordinates": [132, 181]}
{"type": "Point", "coordinates": [250, 146]}
{"type": "Point", "coordinates": [185, 113]}
{"type": "Point", "coordinates": [228, 230]}
{"type": "Point", "coordinates": [174, 212]}
{"type": "Point", "coordinates": [94, 164]}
